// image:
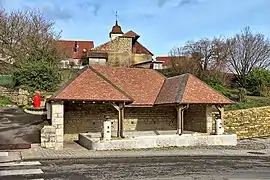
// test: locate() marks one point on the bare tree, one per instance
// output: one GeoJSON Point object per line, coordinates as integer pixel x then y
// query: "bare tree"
{"type": "Point", "coordinates": [27, 36]}
{"type": "Point", "coordinates": [247, 51]}
{"type": "Point", "coordinates": [201, 57]}
{"type": "Point", "coordinates": [181, 64]}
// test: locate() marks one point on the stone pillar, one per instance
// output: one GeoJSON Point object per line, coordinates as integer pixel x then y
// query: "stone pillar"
{"type": "Point", "coordinates": [209, 120]}
{"type": "Point", "coordinates": [57, 109]}
{"type": "Point", "coordinates": [180, 124]}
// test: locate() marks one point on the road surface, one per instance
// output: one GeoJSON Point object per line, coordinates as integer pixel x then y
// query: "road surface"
{"type": "Point", "coordinates": [17, 127]}
{"type": "Point", "coordinates": [160, 168]}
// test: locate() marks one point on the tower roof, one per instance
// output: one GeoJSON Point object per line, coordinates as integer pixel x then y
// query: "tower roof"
{"type": "Point", "coordinates": [116, 29]}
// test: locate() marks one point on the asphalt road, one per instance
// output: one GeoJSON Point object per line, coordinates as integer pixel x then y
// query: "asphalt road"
{"type": "Point", "coordinates": [17, 127]}
{"type": "Point", "coordinates": [161, 168]}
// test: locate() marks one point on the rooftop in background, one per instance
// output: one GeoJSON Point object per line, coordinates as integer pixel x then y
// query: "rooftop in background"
{"type": "Point", "coordinates": [164, 59]}
{"type": "Point", "coordinates": [75, 49]}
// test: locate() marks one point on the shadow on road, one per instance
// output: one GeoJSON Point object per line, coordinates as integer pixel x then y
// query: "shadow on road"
{"type": "Point", "coordinates": [17, 127]}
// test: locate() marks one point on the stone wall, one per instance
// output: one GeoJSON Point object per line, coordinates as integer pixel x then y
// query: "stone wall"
{"type": "Point", "coordinates": [82, 118]}
{"type": "Point", "coordinates": [120, 44]}
{"type": "Point", "coordinates": [119, 51]}
{"type": "Point", "coordinates": [138, 58]}
{"type": "Point", "coordinates": [248, 123]}
{"type": "Point", "coordinates": [154, 118]}
{"type": "Point", "coordinates": [119, 59]}
{"type": "Point", "coordinates": [196, 117]}
{"type": "Point", "coordinates": [53, 136]}
{"type": "Point", "coordinates": [48, 137]}
{"type": "Point", "coordinates": [18, 96]}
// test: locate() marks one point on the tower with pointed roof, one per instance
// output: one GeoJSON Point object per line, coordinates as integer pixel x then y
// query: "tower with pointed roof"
{"type": "Point", "coordinates": [116, 30]}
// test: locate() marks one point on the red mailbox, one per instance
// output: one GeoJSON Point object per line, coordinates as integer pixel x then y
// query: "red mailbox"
{"type": "Point", "coordinates": [37, 101]}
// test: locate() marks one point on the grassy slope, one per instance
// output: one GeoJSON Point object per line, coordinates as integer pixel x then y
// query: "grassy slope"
{"type": "Point", "coordinates": [251, 101]}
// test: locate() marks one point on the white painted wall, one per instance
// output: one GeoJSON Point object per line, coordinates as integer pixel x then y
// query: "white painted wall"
{"type": "Point", "coordinates": [113, 36]}
{"type": "Point", "coordinates": [101, 61]}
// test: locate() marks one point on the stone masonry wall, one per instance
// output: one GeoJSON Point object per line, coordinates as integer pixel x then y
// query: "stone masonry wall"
{"type": "Point", "coordinates": [248, 123]}
{"type": "Point", "coordinates": [82, 118]}
{"type": "Point", "coordinates": [117, 45]}
{"type": "Point", "coordinates": [138, 58]}
{"type": "Point", "coordinates": [195, 118]}
{"type": "Point", "coordinates": [154, 118]}
{"type": "Point", "coordinates": [119, 51]}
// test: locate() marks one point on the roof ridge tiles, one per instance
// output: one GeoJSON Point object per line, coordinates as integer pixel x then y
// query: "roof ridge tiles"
{"type": "Point", "coordinates": [182, 88]}
{"type": "Point", "coordinates": [111, 83]}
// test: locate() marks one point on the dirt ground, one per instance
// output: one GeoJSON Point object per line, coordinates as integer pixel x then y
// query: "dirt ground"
{"type": "Point", "coordinates": [18, 127]}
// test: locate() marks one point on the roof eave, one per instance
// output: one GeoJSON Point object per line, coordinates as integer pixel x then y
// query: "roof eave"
{"type": "Point", "coordinates": [87, 100]}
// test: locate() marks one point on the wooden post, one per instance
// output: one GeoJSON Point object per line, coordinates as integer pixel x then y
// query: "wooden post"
{"type": "Point", "coordinates": [179, 120]}
{"type": "Point", "coordinates": [121, 119]}
{"type": "Point", "coordinates": [120, 124]}
{"type": "Point", "coordinates": [221, 112]}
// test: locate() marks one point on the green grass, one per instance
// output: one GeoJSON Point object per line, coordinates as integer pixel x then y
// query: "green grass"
{"type": "Point", "coordinates": [5, 101]}
{"type": "Point", "coordinates": [251, 102]}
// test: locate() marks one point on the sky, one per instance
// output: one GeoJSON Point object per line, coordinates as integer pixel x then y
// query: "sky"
{"type": "Point", "coordinates": [162, 24]}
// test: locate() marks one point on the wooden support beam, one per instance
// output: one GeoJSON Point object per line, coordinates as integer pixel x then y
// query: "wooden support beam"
{"type": "Point", "coordinates": [179, 119]}
{"type": "Point", "coordinates": [121, 119]}
{"type": "Point", "coordinates": [120, 125]}
{"type": "Point", "coordinates": [221, 112]}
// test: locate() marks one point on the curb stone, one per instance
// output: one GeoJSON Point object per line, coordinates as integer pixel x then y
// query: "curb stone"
{"type": "Point", "coordinates": [151, 154]}
{"type": "Point", "coordinates": [35, 112]}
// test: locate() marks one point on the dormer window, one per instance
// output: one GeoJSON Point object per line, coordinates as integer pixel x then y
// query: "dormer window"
{"type": "Point", "coordinates": [76, 47]}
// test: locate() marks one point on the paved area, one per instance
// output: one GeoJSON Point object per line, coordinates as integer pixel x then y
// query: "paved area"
{"type": "Point", "coordinates": [248, 147]}
{"type": "Point", "coordinates": [158, 168]}
{"type": "Point", "coordinates": [18, 127]}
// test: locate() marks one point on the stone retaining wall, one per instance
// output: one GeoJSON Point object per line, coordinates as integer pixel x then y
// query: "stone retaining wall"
{"type": "Point", "coordinates": [248, 123]}
{"type": "Point", "coordinates": [18, 96]}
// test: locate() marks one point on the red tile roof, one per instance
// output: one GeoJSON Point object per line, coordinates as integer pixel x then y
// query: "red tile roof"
{"type": "Point", "coordinates": [131, 34]}
{"type": "Point", "coordinates": [197, 91]}
{"type": "Point", "coordinates": [164, 59]}
{"type": "Point", "coordinates": [68, 46]}
{"type": "Point", "coordinates": [102, 47]}
{"type": "Point", "coordinates": [171, 90]}
{"type": "Point", "coordinates": [89, 86]}
{"type": "Point", "coordinates": [187, 89]}
{"type": "Point", "coordinates": [138, 48]}
{"type": "Point", "coordinates": [142, 85]}
{"type": "Point", "coordinates": [116, 29]}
